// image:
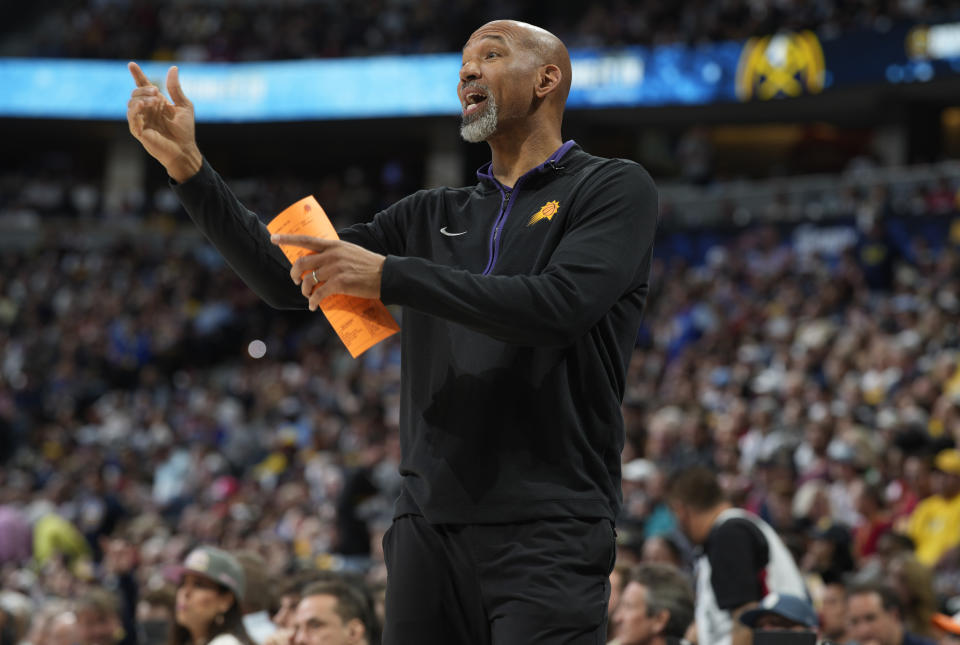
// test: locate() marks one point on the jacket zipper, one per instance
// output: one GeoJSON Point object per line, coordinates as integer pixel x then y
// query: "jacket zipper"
{"type": "Point", "coordinates": [506, 203]}
{"type": "Point", "coordinates": [507, 197]}
{"type": "Point", "coordinates": [503, 202]}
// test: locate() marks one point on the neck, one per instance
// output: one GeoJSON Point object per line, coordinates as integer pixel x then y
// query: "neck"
{"type": "Point", "coordinates": [198, 635]}
{"type": "Point", "coordinates": [709, 518]}
{"type": "Point", "coordinates": [899, 632]}
{"type": "Point", "coordinates": [516, 152]}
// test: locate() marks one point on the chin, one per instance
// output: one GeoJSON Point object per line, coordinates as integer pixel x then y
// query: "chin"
{"type": "Point", "coordinates": [480, 127]}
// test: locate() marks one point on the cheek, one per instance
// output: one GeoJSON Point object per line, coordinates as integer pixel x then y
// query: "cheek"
{"type": "Point", "coordinates": [204, 602]}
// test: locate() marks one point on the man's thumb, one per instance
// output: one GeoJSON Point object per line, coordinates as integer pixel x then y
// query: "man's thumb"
{"type": "Point", "coordinates": [173, 87]}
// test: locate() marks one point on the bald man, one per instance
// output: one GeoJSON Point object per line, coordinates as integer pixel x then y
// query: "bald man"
{"type": "Point", "coordinates": [521, 296]}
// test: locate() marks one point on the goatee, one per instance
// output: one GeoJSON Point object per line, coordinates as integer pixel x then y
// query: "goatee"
{"type": "Point", "coordinates": [479, 127]}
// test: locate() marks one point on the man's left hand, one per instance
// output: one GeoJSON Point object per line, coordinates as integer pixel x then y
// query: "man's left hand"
{"type": "Point", "coordinates": [333, 267]}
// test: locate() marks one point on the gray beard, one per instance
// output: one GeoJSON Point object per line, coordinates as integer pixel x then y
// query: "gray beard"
{"type": "Point", "coordinates": [482, 126]}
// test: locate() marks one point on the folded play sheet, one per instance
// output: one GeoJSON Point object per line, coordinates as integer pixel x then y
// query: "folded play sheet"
{"type": "Point", "coordinates": [361, 323]}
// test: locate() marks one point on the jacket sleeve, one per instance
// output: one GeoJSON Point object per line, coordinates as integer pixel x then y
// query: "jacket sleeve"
{"type": "Point", "coordinates": [604, 254]}
{"type": "Point", "coordinates": [244, 240]}
{"type": "Point", "coordinates": [240, 236]}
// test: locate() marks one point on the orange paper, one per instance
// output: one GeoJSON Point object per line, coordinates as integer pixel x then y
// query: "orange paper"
{"type": "Point", "coordinates": [361, 323]}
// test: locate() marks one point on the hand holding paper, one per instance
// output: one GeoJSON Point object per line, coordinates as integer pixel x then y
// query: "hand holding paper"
{"type": "Point", "coordinates": [333, 267]}
{"type": "Point", "coordinates": [348, 276]}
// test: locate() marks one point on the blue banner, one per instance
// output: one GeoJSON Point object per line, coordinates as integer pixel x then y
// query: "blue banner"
{"type": "Point", "coordinates": [771, 67]}
{"type": "Point", "coordinates": [391, 86]}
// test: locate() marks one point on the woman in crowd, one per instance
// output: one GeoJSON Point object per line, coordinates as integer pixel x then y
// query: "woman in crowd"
{"type": "Point", "coordinates": [208, 600]}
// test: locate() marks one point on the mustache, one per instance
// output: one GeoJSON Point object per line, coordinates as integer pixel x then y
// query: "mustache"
{"type": "Point", "coordinates": [473, 85]}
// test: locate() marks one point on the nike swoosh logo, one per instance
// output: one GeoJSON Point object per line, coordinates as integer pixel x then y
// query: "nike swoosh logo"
{"type": "Point", "coordinates": [449, 234]}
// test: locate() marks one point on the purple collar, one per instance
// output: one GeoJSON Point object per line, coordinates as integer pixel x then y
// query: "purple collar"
{"type": "Point", "coordinates": [484, 172]}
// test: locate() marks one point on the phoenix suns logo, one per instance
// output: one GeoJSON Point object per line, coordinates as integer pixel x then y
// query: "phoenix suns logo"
{"type": "Point", "coordinates": [547, 211]}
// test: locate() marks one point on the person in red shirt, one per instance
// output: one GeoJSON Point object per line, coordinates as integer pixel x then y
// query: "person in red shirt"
{"type": "Point", "coordinates": [869, 501]}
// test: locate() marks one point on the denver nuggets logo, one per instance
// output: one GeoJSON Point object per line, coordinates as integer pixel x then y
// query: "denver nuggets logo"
{"type": "Point", "coordinates": [784, 65]}
{"type": "Point", "coordinates": [547, 211]}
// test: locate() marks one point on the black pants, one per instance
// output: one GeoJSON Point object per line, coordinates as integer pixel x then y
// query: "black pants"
{"type": "Point", "coordinates": [541, 582]}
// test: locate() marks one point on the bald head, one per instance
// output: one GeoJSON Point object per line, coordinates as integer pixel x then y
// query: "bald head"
{"type": "Point", "coordinates": [545, 48]}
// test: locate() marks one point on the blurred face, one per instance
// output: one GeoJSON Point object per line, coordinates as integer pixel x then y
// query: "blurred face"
{"type": "Point", "coordinates": [951, 485]}
{"type": "Point", "coordinates": [687, 521]}
{"type": "Point", "coordinates": [633, 626]}
{"type": "Point", "coordinates": [656, 550]}
{"type": "Point", "coordinates": [937, 482]}
{"type": "Point", "coordinates": [98, 627]}
{"type": "Point", "coordinates": [64, 630]}
{"type": "Point", "coordinates": [916, 473]}
{"type": "Point", "coordinates": [774, 621]}
{"type": "Point", "coordinates": [199, 602]}
{"type": "Point", "coordinates": [316, 622]}
{"type": "Point", "coordinates": [820, 555]}
{"type": "Point", "coordinates": [833, 612]}
{"type": "Point", "coordinates": [869, 623]}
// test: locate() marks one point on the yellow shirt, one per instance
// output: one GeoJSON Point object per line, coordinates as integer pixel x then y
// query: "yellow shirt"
{"type": "Point", "coordinates": [935, 527]}
{"type": "Point", "coordinates": [53, 535]}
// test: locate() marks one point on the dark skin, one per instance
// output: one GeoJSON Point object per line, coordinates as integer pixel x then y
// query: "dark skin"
{"type": "Point", "coordinates": [527, 71]}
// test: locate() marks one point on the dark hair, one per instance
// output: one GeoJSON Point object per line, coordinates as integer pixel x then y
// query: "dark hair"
{"type": "Point", "coordinates": [833, 577]}
{"type": "Point", "coordinates": [258, 591]}
{"type": "Point", "coordinates": [668, 589]}
{"type": "Point", "coordinates": [696, 487]}
{"type": "Point", "coordinates": [888, 597]}
{"type": "Point", "coordinates": [232, 624]}
{"type": "Point", "coordinates": [354, 602]}
{"type": "Point", "coordinates": [673, 546]}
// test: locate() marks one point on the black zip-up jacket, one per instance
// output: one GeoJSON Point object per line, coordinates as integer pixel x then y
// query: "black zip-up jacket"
{"type": "Point", "coordinates": [520, 310]}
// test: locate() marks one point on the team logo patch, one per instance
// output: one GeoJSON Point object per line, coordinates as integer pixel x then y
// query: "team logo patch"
{"type": "Point", "coordinates": [547, 211]}
{"type": "Point", "coordinates": [198, 561]}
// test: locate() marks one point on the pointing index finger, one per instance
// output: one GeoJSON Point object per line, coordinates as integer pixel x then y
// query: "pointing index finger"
{"type": "Point", "coordinates": [303, 241]}
{"type": "Point", "coordinates": [138, 76]}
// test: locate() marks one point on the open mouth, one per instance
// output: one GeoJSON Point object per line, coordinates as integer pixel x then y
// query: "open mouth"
{"type": "Point", "coordinates": [473, 100]}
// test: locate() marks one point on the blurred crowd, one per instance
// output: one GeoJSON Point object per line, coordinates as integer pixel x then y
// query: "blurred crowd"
{"type": "Point", "coordinates": [199, 30]}
{"type": "Point", "coordinates": [149, 403]}
{"type": "Point", "coordinates": [180, 463]}
{"type": "Point", "coordinates": [54, 184]}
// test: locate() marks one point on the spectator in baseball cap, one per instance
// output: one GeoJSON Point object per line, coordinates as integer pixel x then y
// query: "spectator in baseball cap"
{"type": "Point", "coordinates": [209, 594]}
{"type": "Point", "coordinates": [781, 611]}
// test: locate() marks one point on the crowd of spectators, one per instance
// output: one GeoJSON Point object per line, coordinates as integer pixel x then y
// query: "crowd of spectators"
{"type": "Point", "coordinates": [139, 417]}
{"type": "Point", "coordinates": [149, 403]}
{"type": "Point", "coordinates": [199, 30]}
{"type": "Point", "coordinates": [53, 185]}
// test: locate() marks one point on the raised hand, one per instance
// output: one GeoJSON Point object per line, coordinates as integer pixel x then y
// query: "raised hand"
{"type": "Point", "coordinates": [165, 129]}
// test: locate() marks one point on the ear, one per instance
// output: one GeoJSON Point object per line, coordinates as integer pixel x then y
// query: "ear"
{"type": "Point", "coordinates": [660, 620]}
{"type": "Point", "coordinates": [548, 79]}
{"type": "Point", "coordinates": [356, 632]}
{"type": "Point", "coordinates": [226, 602]}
